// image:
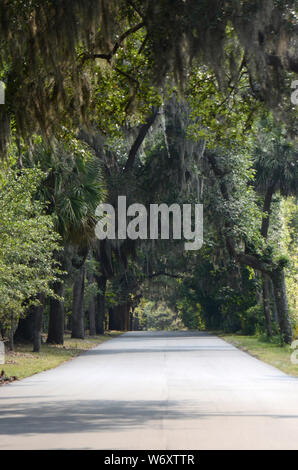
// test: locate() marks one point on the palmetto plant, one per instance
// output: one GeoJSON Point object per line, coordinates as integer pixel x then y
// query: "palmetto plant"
{"type": "Point", "coordinates": [276, 164]}
{"type": "Point", "coordinates": [72, 189]}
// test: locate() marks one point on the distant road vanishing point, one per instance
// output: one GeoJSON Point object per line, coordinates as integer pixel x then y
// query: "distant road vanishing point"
{"type": "Point", "coordinates": [153, 390]}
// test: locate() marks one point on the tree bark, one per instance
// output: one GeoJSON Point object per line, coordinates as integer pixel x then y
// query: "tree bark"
{"type": "Point", "coordinates": [56, 320]}
{"type": "Point", "coordinates": [280, 294]}
{"type": "Point", "coordinates": [100, 304]}
{"type": "Point", "coordinates": [11, 333]}
{"type": "Point", "coordinates": [91, 308]}
{"type": "Point", "coordinates": [91, 315]}
{"type": "Point", "coordinates": [131, 318]}
{"type": "Point", "coordinates": [78, 329]}
{"type": "Point", "coordinates": [37, 323]}
{"type": "Point", "coordinates": [126, 316]}
{"type": "Point", "coordinates": [11, 341]}
{"type": "Point", "coordinates": [274, 309]}
{"type": "Point", "coordinates": [266, 303]}
{"type": "Point", "coordinates": [24, 331]}
{"type": "Point", "coordinates": [119, 317]}
{"type": "Point", "coordinates": [267, 211]}
{"type": "Point", "coordinates": [116, 318]}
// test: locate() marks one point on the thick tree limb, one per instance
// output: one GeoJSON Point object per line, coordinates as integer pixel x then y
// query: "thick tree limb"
{"type": "Point", "coordinates": [253, 262]}
{"type": "Point", "coordinates": [140, 139]}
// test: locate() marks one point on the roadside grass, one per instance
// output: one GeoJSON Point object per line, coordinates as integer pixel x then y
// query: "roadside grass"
{"type": "Point", "coordinates": [23, 362]}
{"type": "Point", "coordinates": [269, 351]}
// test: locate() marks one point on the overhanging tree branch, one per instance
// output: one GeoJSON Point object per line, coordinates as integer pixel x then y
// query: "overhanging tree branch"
{"type": "Point", "coordinates": [117, 44]}
{"type": "Point", "coordinates": [140, 139]}
{"type": "Point", "coordinates": [131, 2]}
{"type": "Point", "coordinates": [242, 258]}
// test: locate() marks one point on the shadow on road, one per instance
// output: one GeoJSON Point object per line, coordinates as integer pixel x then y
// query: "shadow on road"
{"type": "Point", "coordinates": [102, 415]}
{"type": "Point", "coordinates": [167, 349]}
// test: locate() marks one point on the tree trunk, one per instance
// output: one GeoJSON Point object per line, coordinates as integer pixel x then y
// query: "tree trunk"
{"type": "Point", "coordinates": [78, 329]}
{"type": "Point", "coordinates": [126, 316]}
{"type": "Point", "coordinates": [11, 333]}
{"type": "Point", "coordinates": [267, 211]}
{"type": "Point", "coordinates": [266, 303]}
{"type": "Point", "coordinates": [56, 321]}
{"type": "Point", "coordinates": [11, 341]}
{"type": "Point", "coordinates": [91, 315]}
{"type": "Point", "coordinates": [135, 323]}
{"type": "Point", "coordinates": [113, 319]}
{"type": "Point", "coordinates": [131, 317]}
{"type": "Point", "coordinates": [24, 331]}
{"type": "Point", "coordinates": [280, 294]}
{"type": "Point", "coordinates": [37, 323]}
{"type": "Point", "coordinates": [118, 317]}
{"type": "Point", "coordinates": [91, 308]}
{"type": "Point", "coordinates": [100, 304]}
{"type": "Point", "coordinates": [275, 315]}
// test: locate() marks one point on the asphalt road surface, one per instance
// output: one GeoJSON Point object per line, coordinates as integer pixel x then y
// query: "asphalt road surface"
{"type": "Point", "coordinates": [153, 390]}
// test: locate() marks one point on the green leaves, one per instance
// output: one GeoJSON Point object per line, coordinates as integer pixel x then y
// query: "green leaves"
{"type": "Point", "coordinates": [222, 117]}
{"type": "Point", "coordinates": [27, 243]}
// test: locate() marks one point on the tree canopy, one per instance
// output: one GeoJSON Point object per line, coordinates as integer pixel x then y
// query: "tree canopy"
{"type": "Point", "coordinates": [180, 101]}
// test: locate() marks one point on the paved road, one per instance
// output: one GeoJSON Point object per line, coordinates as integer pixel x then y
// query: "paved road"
{"type": "Point", "coordinates": [160, 390]}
